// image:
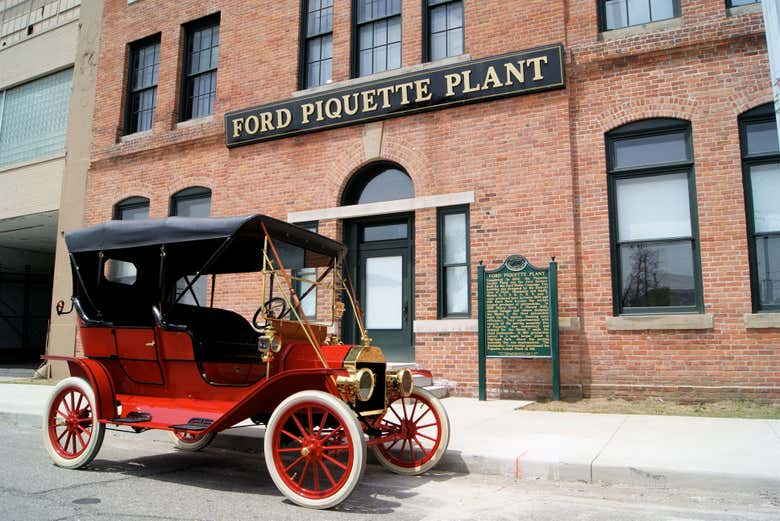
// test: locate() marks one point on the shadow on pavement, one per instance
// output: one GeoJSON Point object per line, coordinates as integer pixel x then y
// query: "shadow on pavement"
{"type": "Point", "coordinates": [378, 492]}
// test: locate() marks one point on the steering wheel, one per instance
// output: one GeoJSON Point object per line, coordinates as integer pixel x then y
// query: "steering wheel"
{"type": "Point", "coordinates": [274, 307]}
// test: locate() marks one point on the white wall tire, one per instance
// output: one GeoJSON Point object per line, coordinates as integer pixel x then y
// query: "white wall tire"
{"type": "Point", "coordinates": [72, 434]}
{"type": "Point", "coordinates": [190, 442]}
{"type": "Point", "coordinates": [314, 449]}
{"type": "Point", "coordinates": [422, 434]}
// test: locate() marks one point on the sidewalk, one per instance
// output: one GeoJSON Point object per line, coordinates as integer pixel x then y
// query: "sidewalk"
{"type": "Point", "coordinates": [495, 437]}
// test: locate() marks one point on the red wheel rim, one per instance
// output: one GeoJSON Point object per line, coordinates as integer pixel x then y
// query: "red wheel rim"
{"type": "Point", "coordinates": [70, 423]}
{"type": "Point", "coordinates": [312, 450]}
{"type": "Point", "coordinates": [414, 432]}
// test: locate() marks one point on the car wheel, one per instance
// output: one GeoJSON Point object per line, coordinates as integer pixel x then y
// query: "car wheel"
{"type": "Point", "coordinates": [191, 442]}
{"type": "Point", "coordinates": [420, 432]}
{"type": "Point", "coordinates": [71, 431]}
{"type": "Point", "coordinates": [314, 449]}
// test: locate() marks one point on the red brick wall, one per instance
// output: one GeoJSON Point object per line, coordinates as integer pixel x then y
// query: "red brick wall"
{"type": "Point", "coordinates": [536, 164]}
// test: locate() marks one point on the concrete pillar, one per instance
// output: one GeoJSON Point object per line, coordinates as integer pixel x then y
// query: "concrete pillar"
{"type": "Point", "coordinates": [78, 141]}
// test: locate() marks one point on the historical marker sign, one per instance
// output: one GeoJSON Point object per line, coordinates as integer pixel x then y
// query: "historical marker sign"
{"type": "Point", "coordinates": [518, 314]}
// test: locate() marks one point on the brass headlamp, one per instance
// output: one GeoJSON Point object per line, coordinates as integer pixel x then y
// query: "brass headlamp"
{"type": "Point", "coordinates": [357, 386]}
{"type": "Point", "coordinates": [400, 382]}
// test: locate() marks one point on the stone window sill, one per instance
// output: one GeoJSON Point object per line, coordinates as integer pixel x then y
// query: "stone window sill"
{"type": "Point", "coordinates": [195, 122]}
{"type": "Point", "coordinates": [452, 325]}
{"type": "Point", "coordinates": [762, 320]}
{"type": "Point", "coordinates": [135, 135]}
{"type": "Point", "coordinates": [466, 325]}
{"type": "Point", "coordinates": [658, 322]}
{"type": "Point", "coordinates": [625, 32]}
{"type": "Point", "coordinates": [744, 9]}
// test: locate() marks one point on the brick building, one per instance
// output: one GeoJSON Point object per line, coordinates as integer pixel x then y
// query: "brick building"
{"type": "Point", "coordinates": [651, 174]}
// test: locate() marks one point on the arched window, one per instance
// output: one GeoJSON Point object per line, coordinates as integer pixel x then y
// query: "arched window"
{"type": "Point", "coordinates": [191, 202]}
{"type": "Point", "coordinates": [194, 201]}
{"type": "Point", "coordinates": [377, 182]}
{"type": "Point", "coordinates": [761, 171]}
{"type": "Point", "coordinates": [653, 218]}
{"type": "Point", "coordinates": [131, 209]}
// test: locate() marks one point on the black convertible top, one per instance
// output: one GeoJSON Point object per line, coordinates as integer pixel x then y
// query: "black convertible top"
{"type": "Point", "coordinates": [127, 235]}
{"type": "Point", "coordinates": [164, 251]}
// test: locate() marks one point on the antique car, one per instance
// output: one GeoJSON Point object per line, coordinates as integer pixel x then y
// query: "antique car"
{"type": "Point", "coordinates": [157, 356]}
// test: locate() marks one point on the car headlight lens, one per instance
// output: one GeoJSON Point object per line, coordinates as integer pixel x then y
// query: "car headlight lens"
{"type": "Point", "coordinates": [365, 383]}
{"type": "Point", "coordinates": [406, 381]}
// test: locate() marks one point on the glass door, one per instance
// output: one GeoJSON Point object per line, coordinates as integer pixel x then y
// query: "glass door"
{"type": "Point", "coordinates": [383, 265]}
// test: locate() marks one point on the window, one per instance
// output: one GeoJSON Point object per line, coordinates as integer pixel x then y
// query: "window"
{"type": "Point", "coordinates": [317, 42]}
{"type": "Point", "coordinates": [142, 84]}
{"type": "Point", "coordinates": [761, 170]}
{"type": "Point", "coordinates": [654, 231]}
{"type": "Point", "coordinates": [191, 202]}
{"type": "Point", "coordinates": [378, 28]}
{"type": "Point", "coordinates": [737, 3]}
{"type": "Point", "coordinates": [308, 303]}
{"type": "Point", "coordinates": [132, 209]}
{"type": "Point", "coordinates": [443, 26]}
{"type": "Point", "coordinates": [33, 118]}
{"type": "Point", "coordinates": [616, 14]}
{"type": "Point", "coordinates": [119, 271]}
{"type": "Point", "coordinates": [453, 241]}
{"type": "Point", "coordinates": [381, 181]}
{"type": "Point", "coordinates": [199, 72]}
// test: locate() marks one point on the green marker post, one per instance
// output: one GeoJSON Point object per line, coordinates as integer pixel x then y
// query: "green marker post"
{"type": "Point", "coordinates": [553, 300]}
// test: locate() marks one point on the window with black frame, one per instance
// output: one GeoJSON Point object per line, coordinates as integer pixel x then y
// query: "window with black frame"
{"type": "Point", "coordinates": [653, 218]}
{"type": "Point", "coordinates": [317, 45]}
{"type": "Point", "coordinates": [191, 202]}
{"type": "Point", "coordinates": [443, 29]}
{"type": "Point", "coordinates": [142, 84]}
{"type": "Point", "coordinates": [301, 278]}
{"type": "Point", "coordinates": [453, 241]}
{"type": "Point", "coordinates": [199, 74]}
{"type": "Point", "coordinates": [378, 36]}
{"type": "Point", "coordinates": [761, 170]}
{"type": "Point", "coordinates": [616, 14]}
{"type": "Point", "coordinates": [130, 209]}
{"type": "Point", "coordinates": [738, 3]}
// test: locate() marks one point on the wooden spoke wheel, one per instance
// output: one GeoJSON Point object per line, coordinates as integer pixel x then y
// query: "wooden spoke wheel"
{"type": "Point", "coordinates": [417, 432]}
{"type": "Point", "coordinates": [191, 442]}
{"type": "Point", "coordinates": [314, 449]}
{"type": "Point", "coordinates": [71, 432]}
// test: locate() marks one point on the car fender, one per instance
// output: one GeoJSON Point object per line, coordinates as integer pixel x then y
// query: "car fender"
{"type": "Point", "coordinates": [93, 372]}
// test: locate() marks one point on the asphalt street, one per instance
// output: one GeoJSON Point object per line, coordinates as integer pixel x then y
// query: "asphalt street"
{"type": "Point", "coordinates": [141, 477]}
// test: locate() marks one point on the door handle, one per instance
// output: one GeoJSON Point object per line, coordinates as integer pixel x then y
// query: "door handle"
{"type": "Point", "coordinates": [150, 344]}
{"type": "Point", "coordinates": [406, 312]}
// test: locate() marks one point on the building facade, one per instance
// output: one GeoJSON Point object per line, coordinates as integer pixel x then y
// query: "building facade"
{"type": "Point", "coordinates": [47, 66]}
{"type": "Point", "coordinates": [650, 172]}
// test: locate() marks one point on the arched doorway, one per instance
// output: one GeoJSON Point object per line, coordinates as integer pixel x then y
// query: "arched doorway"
{"type": "Point", "coordinates": [381, 260]}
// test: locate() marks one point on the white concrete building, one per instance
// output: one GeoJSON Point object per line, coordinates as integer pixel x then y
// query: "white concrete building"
{"type": "Point", "coordinates": [46, 93]}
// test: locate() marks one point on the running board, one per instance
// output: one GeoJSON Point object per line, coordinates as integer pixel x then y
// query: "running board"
{"type": "Point", "coordinates": [194, 424]}
{"type": "Point", "coordinates": [133, 417]}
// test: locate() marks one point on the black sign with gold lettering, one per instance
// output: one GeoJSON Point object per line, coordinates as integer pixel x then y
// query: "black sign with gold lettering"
{"type": "Point", "coordinates": [512, 74]}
